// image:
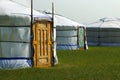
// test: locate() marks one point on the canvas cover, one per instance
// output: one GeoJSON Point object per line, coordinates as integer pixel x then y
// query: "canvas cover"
{"type": "Point", "coordinates": [15, 46]}
{"type": "Point", "coordinates": [104, 32]}
{"type": "Point", "coordinates": [15, 41]}
{"type": "Point", "coordinates": [8, 8]}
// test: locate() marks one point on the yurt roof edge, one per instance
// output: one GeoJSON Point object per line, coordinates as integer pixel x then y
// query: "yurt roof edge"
{"type": "Point", "coordinates": [13, 8]}
{"type": "Point", "coordinates": [66, 22]}
{"type": "Point", "coordinates": [105, 23]}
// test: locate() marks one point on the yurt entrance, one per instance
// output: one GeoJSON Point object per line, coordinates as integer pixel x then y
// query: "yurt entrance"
{"type": "Point", "coordinates": [42, 43]}
{"type": "Point", "coordinates": [82, 38]}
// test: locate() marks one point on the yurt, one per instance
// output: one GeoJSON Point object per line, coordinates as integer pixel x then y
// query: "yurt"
{"type": "Point", "coordinates": [70, 35]}
{"type": "Point", "coordinates": [19, 47]}
{"type": "Point", "coordinates": [105, 32]}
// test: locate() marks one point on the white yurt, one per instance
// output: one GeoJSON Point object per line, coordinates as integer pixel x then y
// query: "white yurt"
{"type": "Point", "coordinates": [70, 35]}
{"type": "Point", "coordinates": [105, 32]}
{"type": "Point", "coordinates": [15, 35]}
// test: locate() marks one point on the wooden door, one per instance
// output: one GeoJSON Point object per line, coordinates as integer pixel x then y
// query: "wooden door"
{"type": "Point", "coordinates": [42, 44]}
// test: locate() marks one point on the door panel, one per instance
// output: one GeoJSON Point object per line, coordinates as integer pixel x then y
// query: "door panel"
{"type": "Point", "coordinates": [42, 44]}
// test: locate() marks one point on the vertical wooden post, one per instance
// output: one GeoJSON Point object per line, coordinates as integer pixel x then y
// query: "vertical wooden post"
{"type": "Point", "coordinates": [53, 32]}
{"type": "Point", "coordinates": [31, 31]}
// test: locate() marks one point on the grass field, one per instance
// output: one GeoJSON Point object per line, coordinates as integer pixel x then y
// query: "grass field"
{"type": "Point", "coordinates": [97, 63]}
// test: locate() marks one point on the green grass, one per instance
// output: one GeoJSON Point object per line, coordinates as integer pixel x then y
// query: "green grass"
{"type": "Point", "coordinates": [97, 63]}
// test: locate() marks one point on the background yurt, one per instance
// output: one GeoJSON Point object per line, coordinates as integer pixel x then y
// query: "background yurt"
{"type": "Point", "coordinates": [70, 35]}
{"type": "Point", "coordinates": [16, 49]}
{"type": "Point", "coordinates": [104, 32]}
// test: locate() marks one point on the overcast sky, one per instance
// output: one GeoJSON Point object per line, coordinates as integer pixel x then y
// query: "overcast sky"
{"type": "Point", "coordinates": [82, 11]}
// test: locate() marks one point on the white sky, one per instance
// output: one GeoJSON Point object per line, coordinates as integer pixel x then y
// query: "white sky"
{"type": "Point", "coordinates": [82, 11]}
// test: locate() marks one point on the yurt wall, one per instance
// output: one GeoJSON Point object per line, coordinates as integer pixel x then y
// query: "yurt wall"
{"type": "Point", "coordinates": [70, 37]}
{"type": "Point", "coordinates": [14, 41]}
